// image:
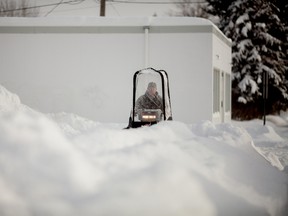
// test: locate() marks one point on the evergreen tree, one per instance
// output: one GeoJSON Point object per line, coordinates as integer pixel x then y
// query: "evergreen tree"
{"type": "Point", "coordinates": [259, 45]}
{"type": "Point", "coordinates": [283, 14]}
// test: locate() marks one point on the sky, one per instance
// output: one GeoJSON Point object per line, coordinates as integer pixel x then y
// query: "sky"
{"type": "Point", "coordinates": [92, 8]}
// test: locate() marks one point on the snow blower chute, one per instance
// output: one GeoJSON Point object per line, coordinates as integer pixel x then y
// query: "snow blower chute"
{"type": "Point", "coordinates": [151, 98]}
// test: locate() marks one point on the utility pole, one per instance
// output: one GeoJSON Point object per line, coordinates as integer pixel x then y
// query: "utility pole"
{"type": "Point", "coordinates": [265, 94]}
{"type": "Point", "coordinates": [102, 7]}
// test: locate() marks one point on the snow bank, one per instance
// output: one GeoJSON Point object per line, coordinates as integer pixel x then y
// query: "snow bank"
{"type": "Point", "coordinates": [39, 168]}
{"type": "Point", "coordinates": [268, 143]}
{"type": "Point", "coordinates": [281, 121]}
{"type": "Point", "coordinates": [8, 100]}
{"type": "Point", "coordinates": [62, 164]}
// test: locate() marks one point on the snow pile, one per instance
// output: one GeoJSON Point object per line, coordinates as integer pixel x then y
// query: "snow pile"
{"type": "Point", "coordinates": [72, 124]}
{"type": "Point", "coordinates": [62, 164]}
{"type": "Point", "coordinates": [281, 121]}
{"type": "Point", "coordinates": [8, 101]}
{"type": "Point", "coordinates": [268, 143]}
{"type": "Point", "coordinates": [39, 168]}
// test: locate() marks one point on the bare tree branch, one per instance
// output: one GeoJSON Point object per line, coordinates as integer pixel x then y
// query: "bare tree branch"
{"type": "Point", "coordinates": [10, 8]}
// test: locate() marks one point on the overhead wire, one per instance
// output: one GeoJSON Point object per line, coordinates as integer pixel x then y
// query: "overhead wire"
{"type": "Point", "coordinates": [76, 2]}
{"type": "Point", "coordinates": [114, 8]}
{"type": "Point", "coordinates": [45, 5]}
{"type": "Point", "coordinates": [71, 3]}
{"type": "Point", "coordinates": [53, 8]}
{"type": "Point", "coordinates": [76, 9]}
{"type": "Point", "coordinates": [156, 2]}
{"type": "Point", "coordinates": [111, 1]}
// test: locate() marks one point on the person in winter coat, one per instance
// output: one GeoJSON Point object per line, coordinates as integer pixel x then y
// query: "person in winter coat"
{"type": "Point", "coordinates": [150, 100]}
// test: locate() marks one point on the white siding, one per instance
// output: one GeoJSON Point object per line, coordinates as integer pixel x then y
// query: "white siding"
{"type": "Point", "coordinates": [86, 65]}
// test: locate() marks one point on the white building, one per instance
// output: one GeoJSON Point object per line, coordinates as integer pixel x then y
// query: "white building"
{"type": "Point", "coordinates": [85, 65]}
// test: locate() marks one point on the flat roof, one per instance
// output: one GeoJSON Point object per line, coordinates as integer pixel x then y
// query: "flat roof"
{"type": "Point", "coordinates": [27, 25]}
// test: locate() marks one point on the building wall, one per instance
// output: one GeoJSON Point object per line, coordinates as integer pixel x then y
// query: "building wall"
{"type": "Point", "coordinates": [86, 67]}
{"type": "Point", "coordinates": [187, 57]}
{"type": "Point", "coordinates": [222, 62]}
{"type": "Point", "coordinates": [83, 73]}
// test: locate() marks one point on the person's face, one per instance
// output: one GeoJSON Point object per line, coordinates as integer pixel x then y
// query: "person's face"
{"type": "Point", "coordinates": [152, 91]}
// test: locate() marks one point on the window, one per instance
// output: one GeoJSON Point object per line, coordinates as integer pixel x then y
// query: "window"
{"type": "Point", "coordinates": [216, 90]}
{"type": "Point", "coordinates": [228, 93]}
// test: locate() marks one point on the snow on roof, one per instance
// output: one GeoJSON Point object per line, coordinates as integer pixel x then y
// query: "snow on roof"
{"type": "Point", "coordinates": [169, 24]}
{"type": "Point", "coordinates": [103, 21]}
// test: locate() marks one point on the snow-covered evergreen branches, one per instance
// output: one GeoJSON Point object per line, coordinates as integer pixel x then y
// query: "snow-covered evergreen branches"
{"type": "Point", "coordinates": [260, 39]}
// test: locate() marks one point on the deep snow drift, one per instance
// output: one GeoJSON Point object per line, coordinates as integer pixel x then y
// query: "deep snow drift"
{"type": "Point", "coordinates": [62, 164]}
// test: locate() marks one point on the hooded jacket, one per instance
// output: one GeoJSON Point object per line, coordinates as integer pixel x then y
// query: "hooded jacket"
{"type": "Point", "coordinates": [147, 101]}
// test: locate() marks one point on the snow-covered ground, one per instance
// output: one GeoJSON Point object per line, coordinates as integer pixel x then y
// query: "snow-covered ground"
{"type": "Point", "coordinates": [62, 164]}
